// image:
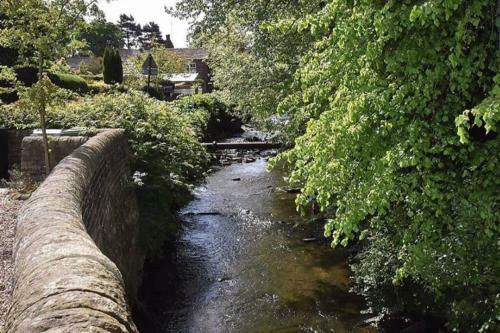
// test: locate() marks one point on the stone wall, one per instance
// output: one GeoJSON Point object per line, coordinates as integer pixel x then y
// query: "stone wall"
{"type": "Point", "coordinates": [15, 139]}
{"type": "Point", "coordinates": [76, 243]}
{"type": "Point", "coordinates": [10, 149]}
{"type": "Point", "coordinates": [32, 153]}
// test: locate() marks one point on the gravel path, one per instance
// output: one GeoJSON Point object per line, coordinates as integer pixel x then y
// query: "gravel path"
{"type": "Point", "coordinates": [8, 213]}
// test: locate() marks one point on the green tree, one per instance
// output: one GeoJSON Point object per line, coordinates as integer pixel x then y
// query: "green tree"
{"type": "Point", "coordinates": [382, 91]}
{"type": "Point", "coordinates": [100, 34]}
{"type": "Point", "coordinates": [252, 65]}
{"type": "Point", "coordinates": [112, 66]}
{"type": "Point", "coordinates": [106, 66]}
{"type": "Point", "coordinates": [43, 31]}
{"type": "Point", "coordinates": [150, 34]}
{"type": "Point", "coordinates": [130, 30]}
{"type": "Point", "coordinates": [118, 67]}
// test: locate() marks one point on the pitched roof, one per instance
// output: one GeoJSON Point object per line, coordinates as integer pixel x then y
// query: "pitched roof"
{"type": "Point", "coordinates": [191, 53]}
{"type": "Point", "coordinates": [127, 53]}
{"type": "Point", "coordinates": [186, 53]}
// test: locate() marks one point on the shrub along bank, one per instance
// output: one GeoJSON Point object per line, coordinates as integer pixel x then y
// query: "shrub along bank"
{"type": "Point", "coordinates": [166, 154]}
{"type": "Point", "coordinates": [218, 120]}
{"type": "Point", "coordinates": [400, 151]}
{"type": "Point", "coordinates": [12, 80]}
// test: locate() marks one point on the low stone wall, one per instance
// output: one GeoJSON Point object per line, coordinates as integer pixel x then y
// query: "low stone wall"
{"type": "Point", "coordinates": [32, 153]}
{"type": "Point", "coordinates": [15, 139]}
{"type": "Point", "coordinates": [10, 149]}
{"type": "Point", "coordinates": [76, 243]}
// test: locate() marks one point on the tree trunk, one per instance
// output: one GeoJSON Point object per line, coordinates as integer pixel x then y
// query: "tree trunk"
{"type": "Point", "coordinates": [45, 141]}
{"type": "Point", "coordinates": [43, 124]}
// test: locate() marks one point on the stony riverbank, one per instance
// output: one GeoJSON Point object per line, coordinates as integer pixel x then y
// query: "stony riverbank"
{"type": "Point", "coordinates": [9, 207]}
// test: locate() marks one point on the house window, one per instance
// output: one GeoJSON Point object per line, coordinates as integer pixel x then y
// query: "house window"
{"type": "Point", "coordinates": [191, 68]}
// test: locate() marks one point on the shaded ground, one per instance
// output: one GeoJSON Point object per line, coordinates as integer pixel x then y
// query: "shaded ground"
{"type": "Point", "coordinates": [9, 208]}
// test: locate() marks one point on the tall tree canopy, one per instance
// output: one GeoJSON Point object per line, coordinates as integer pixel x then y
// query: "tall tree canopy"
{"type": "Point", "coordinates": [99, 34]}
{"type": "Point", "coordinates": [392, 110]}
{"type": "Point", "coordinates": [131, 31]}
{"type": "Point", "coordinates": [252, 65]}
{"type": "Point", "coordinates": [44, 30]}
{"type": "Point", "coordinates": [150, 33]}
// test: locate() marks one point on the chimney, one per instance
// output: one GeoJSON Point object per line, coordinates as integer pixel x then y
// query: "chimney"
{"type": "Point", "coordinates": [168, 42]}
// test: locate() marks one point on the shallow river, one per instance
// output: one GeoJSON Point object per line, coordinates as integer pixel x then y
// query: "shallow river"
{"type": "Point", "coordinates": [240, 264]}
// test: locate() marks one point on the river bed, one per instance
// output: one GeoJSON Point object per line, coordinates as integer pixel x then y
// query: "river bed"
{"type": "Point", "coordinates": [240, 264]}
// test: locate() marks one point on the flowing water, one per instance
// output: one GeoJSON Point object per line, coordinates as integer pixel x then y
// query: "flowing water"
{"type": "Point", "coordinates": [240, 264]}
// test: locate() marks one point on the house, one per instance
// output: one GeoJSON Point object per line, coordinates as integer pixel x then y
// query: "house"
{"type": "Point", "coordinates": [196, 64]}
{"type": "Point", "coordinates": [185, 84]}
{"type": "Point", "coordinates": [194, 80]}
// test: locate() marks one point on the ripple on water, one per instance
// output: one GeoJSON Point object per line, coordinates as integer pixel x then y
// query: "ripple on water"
{"type": "Point", "coordinates": [240, 265]}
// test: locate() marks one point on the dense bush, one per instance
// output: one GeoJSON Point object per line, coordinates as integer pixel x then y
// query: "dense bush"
{"type": "Point", "coordinates": [218, 119]}
{"type": "Point", "coordinates": [161, 137]}
{"type": "Point", "coordinates": [69, 81]}
{"type": "Point", "coordinates": [27, 76]}
{"type": "Point", "coordinates": [98, 86]}
{"type": "Point", "coordinates": [166, 154]}
{"type": "Point", "coordinates": [382, 93]}
{"type": "Point", "coordinates": [8, 93]}
{"type": "Point", "coordinates": [154, 91]}
{"type": "Point", "coordinates": [60, 67]}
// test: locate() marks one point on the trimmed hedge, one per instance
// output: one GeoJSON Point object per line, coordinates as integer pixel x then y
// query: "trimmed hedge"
{"type": "Point", "coordinates": [70, 82]}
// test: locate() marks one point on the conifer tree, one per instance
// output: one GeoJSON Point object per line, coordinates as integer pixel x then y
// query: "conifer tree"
{"type": "Point", "coordinates": [113, 67]}
{"type": "Point", "coordinates": [107, 66]}
{"type": "Point", "coordinates": [117, 67]}
{"type": "Point", "coordinates": [130, 30]}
